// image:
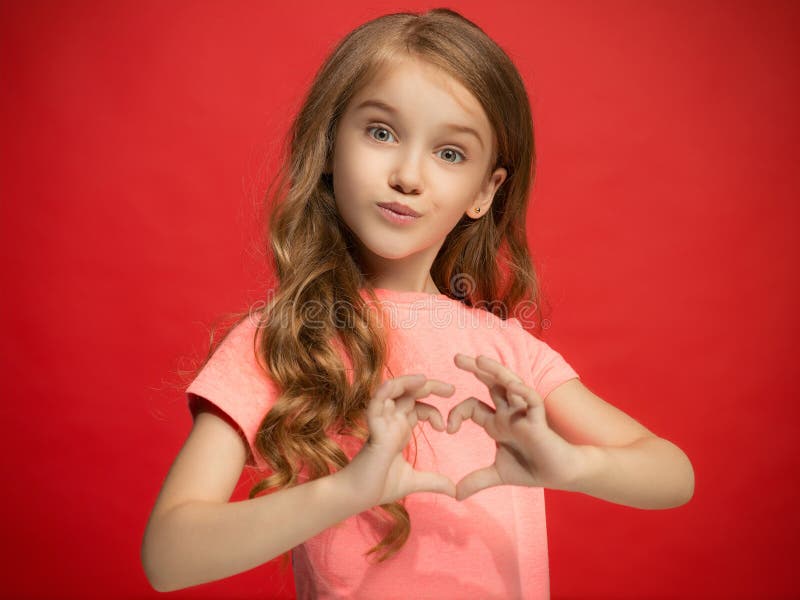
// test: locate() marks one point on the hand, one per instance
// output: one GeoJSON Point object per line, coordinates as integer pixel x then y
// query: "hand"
{"type": "Point", "coordinates": [528, 452]}
{"type": "Point", "coordinates": [380, 470]}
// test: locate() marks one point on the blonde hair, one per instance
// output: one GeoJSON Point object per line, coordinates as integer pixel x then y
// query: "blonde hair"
{"type": "Point", "coordinates": [314, 257]}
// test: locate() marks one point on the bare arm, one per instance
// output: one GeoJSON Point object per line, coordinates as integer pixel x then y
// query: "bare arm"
{"type": "Point", "coordinates": [572, 440]}
{"type": "Point", "coordinates": [201, 541]}
{"type": "Point", "coordinates": [623, 461]}
{"type": "Point", "coordinates": [650, 473]}
{"type": "Point", "coordinates": [195, 535]}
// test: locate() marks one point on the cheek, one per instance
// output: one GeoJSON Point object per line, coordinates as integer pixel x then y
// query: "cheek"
{"type": "Point", "coordinates": [456, 191]}
{"type": "Point", "coordinates": [343, 174]}
{"type": "Point", "coordinates": [454, 215]}
{"type": "Point", "coordinates": [354, 176]}
{"type": "Point", "coordinates": [350, 196]}
{"type": "Point", "coordinates": [345, 181]}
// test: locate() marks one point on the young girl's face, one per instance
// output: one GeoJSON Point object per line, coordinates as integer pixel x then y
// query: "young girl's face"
{"type": "Point", "coordinates": [411, 155]}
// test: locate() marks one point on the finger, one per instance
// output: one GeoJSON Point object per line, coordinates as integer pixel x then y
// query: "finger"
{"type": "Point", "coordinates": [406, 402]}
{"type": "Point", "coordinates": [376, 403]}
{"type": "Point", "coordinates": [398, 386]}
{"type": "Point", "coordinates": [516, 402]}
{"type": "Point", "coordinates": [487, 369]}
{"type": "Point", "coordinates": [509, 406]}
{"type": "Point", "coordinates": [428, 481]}
{"type": "Point", "coordinates": [395, 386]}
{"type": "Point", "coordinates": [497, 369]}
{"type": "Point", "coordinates": [388, 407]}
{"type": "Point", "coordinates": [527, 395]}
{"type": "Point", "coordinates": [498, 395]}
{"type": "Point", "coordinates": [496, 376]}
{"type": "Point", "coordinates": [507, 378]}
{"type": "Point", "coordinates": [477, 481]}
{"type": "Point", "coordinates": [468, 363]}
{"type": "Point", "coordinates": [426, 412]}
{"type": "Point", "coordinates": [471, 408]}
{"type": "Point", "coordinates": [382, 402]}
{"type": "Point", "coordinates": [495, 385]}
{"type": "Point", "coordinates": [440, 388]}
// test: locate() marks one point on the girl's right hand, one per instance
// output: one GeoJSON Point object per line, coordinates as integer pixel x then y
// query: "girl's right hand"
{"type": "Point", "coordinates": [380, 471]}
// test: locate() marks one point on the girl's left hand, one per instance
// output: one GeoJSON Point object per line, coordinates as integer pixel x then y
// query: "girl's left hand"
{"type": "Point", "coordinates": [528, 452]}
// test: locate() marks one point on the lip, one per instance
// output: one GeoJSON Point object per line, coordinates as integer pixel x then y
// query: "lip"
{"type": "Point", "coordinates": [399, 208]}
{"type": "Point", "coordinates": [395, 218]}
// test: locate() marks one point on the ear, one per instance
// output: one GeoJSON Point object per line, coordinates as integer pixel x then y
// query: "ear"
{"type": "Point", "coordinates": [483, 200]}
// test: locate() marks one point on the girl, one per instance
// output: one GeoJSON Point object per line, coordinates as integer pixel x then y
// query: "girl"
{"type": "Point", "coordinates": [398, 239]}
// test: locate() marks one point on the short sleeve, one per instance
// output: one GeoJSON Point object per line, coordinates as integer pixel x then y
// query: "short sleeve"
{"type": "Point", "coordinates": [548, 369]}
{"type": "Point", "coordinates": [234, 382]}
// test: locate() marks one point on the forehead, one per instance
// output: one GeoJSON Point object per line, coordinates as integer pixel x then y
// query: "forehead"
{"type": "Point", "coordinates": [417, 88]}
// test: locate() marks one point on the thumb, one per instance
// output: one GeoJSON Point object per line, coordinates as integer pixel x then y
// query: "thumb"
{"type": "Point", "coordinates": [428, 481]}
{"type": "Point", "coordinates": [476, 481]}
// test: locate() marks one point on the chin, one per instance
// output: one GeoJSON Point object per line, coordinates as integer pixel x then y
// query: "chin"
{"type": "Point", "coordinates": [388, 251]}
{"type": "Point", "coordinates": [390, 254]}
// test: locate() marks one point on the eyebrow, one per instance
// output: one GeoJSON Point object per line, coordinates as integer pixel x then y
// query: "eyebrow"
{"type": "Point", "coordinates": [373, 103]}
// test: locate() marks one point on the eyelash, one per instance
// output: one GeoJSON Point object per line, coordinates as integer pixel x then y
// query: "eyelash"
{"type": "Point", "coordinates": [464, 156]}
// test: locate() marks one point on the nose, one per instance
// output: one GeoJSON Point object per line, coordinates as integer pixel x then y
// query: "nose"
{"type": "Point", "coordinates": [407, 174]}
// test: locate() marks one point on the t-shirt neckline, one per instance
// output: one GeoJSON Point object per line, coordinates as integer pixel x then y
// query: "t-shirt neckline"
{"type": "Point", "coordinates": [407, 295]}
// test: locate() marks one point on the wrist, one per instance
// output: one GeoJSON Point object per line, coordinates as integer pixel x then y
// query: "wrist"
{"type": "Point", "coordinates": [352, 481]}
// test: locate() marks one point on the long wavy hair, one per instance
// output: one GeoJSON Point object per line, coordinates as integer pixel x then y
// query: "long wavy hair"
{"type": "Point", "coordinates": [483, 262]}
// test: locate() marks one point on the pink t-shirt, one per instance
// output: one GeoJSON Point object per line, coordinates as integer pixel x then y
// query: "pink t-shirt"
{"type": "Point", "coordinates": [490, 545]}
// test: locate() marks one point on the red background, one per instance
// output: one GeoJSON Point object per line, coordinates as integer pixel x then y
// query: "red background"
{"type": "Point", "coordinates": [137, 139]}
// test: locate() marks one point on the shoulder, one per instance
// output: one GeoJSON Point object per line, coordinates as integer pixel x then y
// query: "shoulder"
{"type": "Point", "coordinates": [524, 338]}
{"type": "Point", "coordinates": [241, 337]}
{"type": "Point", "coordinates": [233, 384]}
{"type": "Point", "coordinates": [512, 330]}
{"type": "Point", "coordinates": [235, 358]}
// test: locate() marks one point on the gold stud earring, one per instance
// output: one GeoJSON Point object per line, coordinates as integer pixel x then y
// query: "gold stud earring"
{"type": "Point", "coordinates": [477, 210]}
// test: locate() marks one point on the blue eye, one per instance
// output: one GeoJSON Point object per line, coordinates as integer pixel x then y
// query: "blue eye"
{"type": "Point", "coordinates": [453, 150]}
{"type": "Point", "coordinates": [463, 158]}
{"type": "Point", "coordinates": [379, 129]}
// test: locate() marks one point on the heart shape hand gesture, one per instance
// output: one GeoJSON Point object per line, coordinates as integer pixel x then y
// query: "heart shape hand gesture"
{"type": "Point", "coordinates": [529, 453]}
{"type": "Point", "coordinates": [379, 473]}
